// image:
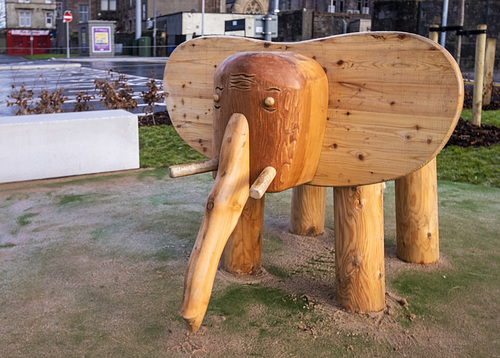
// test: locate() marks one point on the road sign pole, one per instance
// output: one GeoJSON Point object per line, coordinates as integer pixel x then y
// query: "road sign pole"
{"type": "Point", "coordinates": [67, 18]}
{"type": "Point", "coordinates": [67, 39]}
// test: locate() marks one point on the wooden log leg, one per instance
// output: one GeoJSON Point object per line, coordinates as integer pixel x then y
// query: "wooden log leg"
{"type": "Point", "coordinates": [417, 229]}
{"type": "Point", "coordinates": [359, 247]}
{"type": "Point", "coordinates": [243, 251]}
{"type": "Point", "coordinates": [307, 215]}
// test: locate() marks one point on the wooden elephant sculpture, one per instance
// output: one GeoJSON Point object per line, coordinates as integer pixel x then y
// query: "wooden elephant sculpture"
{"type": "Point", "coordinates": [342, 111]}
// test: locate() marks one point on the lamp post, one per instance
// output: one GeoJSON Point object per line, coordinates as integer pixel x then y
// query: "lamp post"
{"type": "Point", "coordinates": [138, 19]}
{"type": "Point", "coordinates": [444, 23]}
{"type": "Point", "coordinates": [202, 17]}
{"type": "Point", "coordinates": [154, 28]}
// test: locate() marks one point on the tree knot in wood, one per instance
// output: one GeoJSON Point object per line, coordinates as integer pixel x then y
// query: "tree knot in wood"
{"type": "Point", "coordinates": [356, 260]}
{"type": "Point", "coordinates": [210, 204]}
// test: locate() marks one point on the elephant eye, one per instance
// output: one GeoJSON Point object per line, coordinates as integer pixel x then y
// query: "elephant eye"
{"type": "Point", "coordinates": [269, 103]}
{"type": "Point", "coordinates": [216, 97]}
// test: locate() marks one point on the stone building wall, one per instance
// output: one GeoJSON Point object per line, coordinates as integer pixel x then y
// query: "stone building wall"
{"type": "Point", "coordinates": [300, 25]}
{"type": "Point", "coordinates": [250, 7]}
{"type": "Point", "coordinates": [418, 16]}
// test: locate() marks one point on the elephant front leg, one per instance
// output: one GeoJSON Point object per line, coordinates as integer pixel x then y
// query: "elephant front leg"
{"type": "Point", "coordinates": [243, 251]}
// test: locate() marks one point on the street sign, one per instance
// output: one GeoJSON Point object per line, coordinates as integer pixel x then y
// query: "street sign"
{"type": "Point", "coordinates": [67, 16]}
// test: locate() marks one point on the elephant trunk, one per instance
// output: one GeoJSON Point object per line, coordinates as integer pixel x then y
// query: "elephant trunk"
{"type": "Point", "coordinates": [222, 212]}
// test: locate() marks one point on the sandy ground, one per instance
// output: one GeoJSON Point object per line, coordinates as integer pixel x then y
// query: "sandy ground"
{"type": "Point", "coordinates": [93, 267]}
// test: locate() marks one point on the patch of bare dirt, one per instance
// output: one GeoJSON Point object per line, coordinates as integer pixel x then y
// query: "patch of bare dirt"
{"type": "Point", "coordinates": [467, 134]}
{"type": "Point", "coordinates": [495, 96]}
{"type": "Point", "coordinates": [156, 119]}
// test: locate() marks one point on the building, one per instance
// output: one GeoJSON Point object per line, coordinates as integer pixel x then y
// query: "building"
{"type": "Point", "coordinates": [29, 25]}
{"type": "Point", "coordinates": [332, 6]}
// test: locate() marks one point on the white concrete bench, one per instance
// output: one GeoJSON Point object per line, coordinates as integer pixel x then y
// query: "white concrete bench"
{"type": "Point", "coordinates": [65, 144]}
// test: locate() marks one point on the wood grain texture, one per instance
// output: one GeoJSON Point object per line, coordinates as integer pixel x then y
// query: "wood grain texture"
{"type": "Point", "coordinates": [393, 100]}
{"type": "Point", "coordinates": [243, 251]}
{"type": "Point", "coordinates": [489, 66]}
{"type": "Point", "coordinates": [307, 213]}
{"type": "Point", "coordinates": [259, 187]}
{"type": "Point", "coordinates": [359, 247]}
{"type": "Point", "coordinates": [477, 95]}
{"type": "Point", "coordinates": [222, 211]}
{"type": "Point", "coordinates": [417, 228]}
{"type": "Point", "coordinates": [181, 170]}
{"type": "Point", "coordinates": [284, 96]}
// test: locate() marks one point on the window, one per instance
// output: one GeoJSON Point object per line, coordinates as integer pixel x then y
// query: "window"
{"type": "Point", "coordinates": [143, 11]}
{"type": "Point", "coordinates": [108, 5]}
{"type": "Point", "coordinates": [49, 17]}
{"type": "Point", "coordinates": [48, 1]}
{"type": "Point", "coordinates": [24, 19]}
{"type": "Point", "coordinates": [83, 16]}
{"type": "Point", "coordinates": [24, 1]}
{"type": "Point", "coordinates": [339, 5]}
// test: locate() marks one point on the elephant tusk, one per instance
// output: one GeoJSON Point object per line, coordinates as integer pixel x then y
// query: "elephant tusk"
{"type": "Point", "coordinates": [182, 170]}
{"type": "Point", "coordinates": [262, 182]}
{"type": "Point", "coordinates": [222, 212]}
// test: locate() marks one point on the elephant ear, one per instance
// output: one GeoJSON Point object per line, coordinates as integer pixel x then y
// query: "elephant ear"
{"type": "Point", "coordinates": [394, 100]}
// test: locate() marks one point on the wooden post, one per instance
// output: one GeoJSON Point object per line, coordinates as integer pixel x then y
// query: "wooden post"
{"type": "Point", "coordinates": [417, 228]}
{"type": "Point", "coordinates": [433, 35]}
{"type": "Point", "coordinates": [359, 247]}
{"type": "Point", "coordinates": [243, 251]}
{"type": "Point", "coordinates": [489, 63]}
{"type": "Point", "coordinates": [458, 49]}
{"type": "Point", "coordinates": [477, 97]}
{"type": "Point", "coordinates": [307, 215]}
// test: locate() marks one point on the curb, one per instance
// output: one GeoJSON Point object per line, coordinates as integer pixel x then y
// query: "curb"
{"type": "Point", "coordinates": [38, 66]}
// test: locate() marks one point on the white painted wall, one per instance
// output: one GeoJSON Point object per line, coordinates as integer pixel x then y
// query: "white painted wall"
{"type": "Point", "coordinates": [214, 23]}
{"type": "Point", "coordinates": [66, 144]}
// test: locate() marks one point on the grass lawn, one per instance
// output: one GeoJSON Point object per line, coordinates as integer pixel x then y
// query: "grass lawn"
{"type": "Point", "coordinates": [46, 56]}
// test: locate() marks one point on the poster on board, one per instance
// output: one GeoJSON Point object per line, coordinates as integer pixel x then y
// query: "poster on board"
{"type": "Point", "coordinates": [102, 39]}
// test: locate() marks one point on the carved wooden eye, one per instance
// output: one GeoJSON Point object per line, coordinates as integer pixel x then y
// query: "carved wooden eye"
{"type": "Point", "coordinates": [216, 97]}
{"type": "Point", "coordinates": [269, 102]}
